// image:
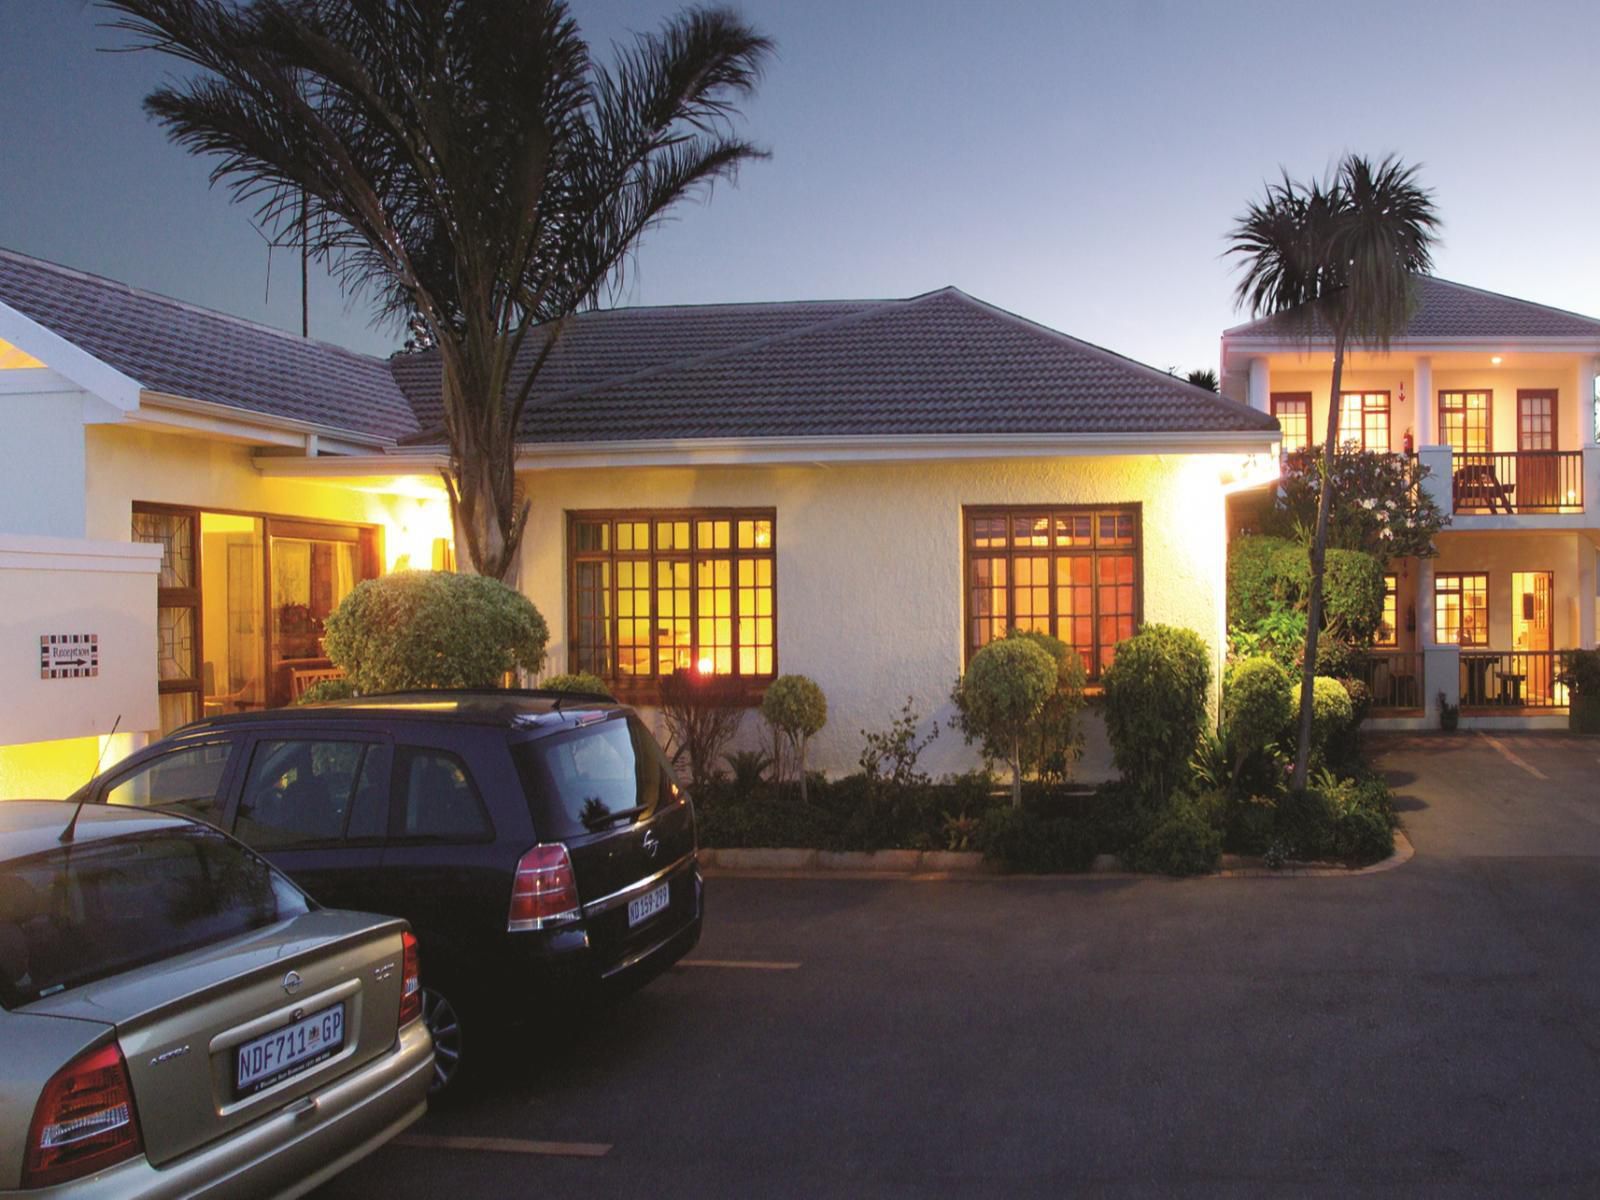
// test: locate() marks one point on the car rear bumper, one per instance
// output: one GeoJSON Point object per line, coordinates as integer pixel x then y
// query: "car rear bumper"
{"type": "Point", "coordinates": [291, 1152]}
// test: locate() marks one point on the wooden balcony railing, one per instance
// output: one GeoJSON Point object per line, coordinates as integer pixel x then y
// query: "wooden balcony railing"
{"type": "Point", "coordinates": [1522, 482]}
{"type": "Point", "coordinates": [1493, 679]}
{"type": "Point", "coordinates": [1394, 680]}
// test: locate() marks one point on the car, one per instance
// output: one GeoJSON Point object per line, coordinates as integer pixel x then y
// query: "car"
{"type": "Point", "coordinates": [177, 1018]}
{"type": "Point", "coordinates": [538, 843]}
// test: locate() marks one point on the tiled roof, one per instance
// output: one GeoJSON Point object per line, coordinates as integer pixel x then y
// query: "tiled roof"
{"type": "Point", "coordinates": [1454, 310]}
{"type": "Point", "coordinates": [178, 349]}
{"type": "Point", "coordinates": [942, 363]}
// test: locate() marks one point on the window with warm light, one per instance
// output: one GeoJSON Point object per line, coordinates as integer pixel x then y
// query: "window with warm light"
{"type": "Point", "coordinates": [1293, 410]}
{"type": "Point", "coordinates": [1073, 573]}
{"type": "Point", "coordinates": [1364, 419]}
{"type": "Point", "coordinates": [1464, 419]}
{"type": "Point", "coordinates": [1461, 609]}
{"type": "Point", "coordinates": [655, 592]}
{"type": "Point", "coordinates": [1388, 625]}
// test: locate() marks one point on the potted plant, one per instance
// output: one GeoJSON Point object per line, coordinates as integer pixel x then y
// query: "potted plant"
{"type": "Point", "coordinates": [1449, 714]}
{"type": "Point", "coordinates": [1582, 678]}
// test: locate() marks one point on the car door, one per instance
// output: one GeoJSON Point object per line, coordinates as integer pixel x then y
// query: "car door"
{"type": "Point", "coordinates": [315, 804]}
{"type": "Point", "coordinates": [189, 777]}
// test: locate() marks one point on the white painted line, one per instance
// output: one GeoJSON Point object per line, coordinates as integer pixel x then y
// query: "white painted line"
{"type": "Point", "coordinates": [1513, 758]}
{"type": "Point", "coordinates": [738, 964]}
{"type": "Point", "coordinates": [497, 1145]}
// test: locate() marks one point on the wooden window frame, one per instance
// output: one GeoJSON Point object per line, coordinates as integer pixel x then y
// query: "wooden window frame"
{"type": "Point", "coordinates": [1553, 395]}
{"type": "Point", "coordinates": [1461, 409]}
{"type": "Point", "coordinates": [182, 597]}
{"type": "Point", "coordinates": [1387, 409]}
{"type": "Point", "coordinates": [1461, 598]}
{"type": "Point", "coordinates": [1304, 398]}
{"type": "Point", "coordinates": [646, 689]}
{"type": "Point", "coordinates": [1391, 591]}
{"type": "Point", "coordinates": [1010, 552]}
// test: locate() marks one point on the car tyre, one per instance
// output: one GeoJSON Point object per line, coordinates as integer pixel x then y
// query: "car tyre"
{"type": "Point", "coordinates": [442, 1016]}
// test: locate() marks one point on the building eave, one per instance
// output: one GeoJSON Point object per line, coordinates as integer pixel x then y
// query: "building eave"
{"type": "Point", "coordinates": [224, 421]}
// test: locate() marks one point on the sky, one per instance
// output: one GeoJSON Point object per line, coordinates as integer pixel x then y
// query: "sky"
{"type": "Point", "coordinates": [1078, 164]}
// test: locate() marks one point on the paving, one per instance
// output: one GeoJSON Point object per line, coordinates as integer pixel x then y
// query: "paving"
{"type": "Point", "coordinates": [1429, 1030]}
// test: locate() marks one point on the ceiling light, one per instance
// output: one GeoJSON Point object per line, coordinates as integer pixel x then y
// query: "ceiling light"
{"type": "Point", "coordinates": [1496, 360]}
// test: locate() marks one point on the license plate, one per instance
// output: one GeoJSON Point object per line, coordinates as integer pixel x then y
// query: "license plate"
{"type": "Point", "coordinates": [288, 1050]}
{"type": "Point", "coordinates": [649, 904]}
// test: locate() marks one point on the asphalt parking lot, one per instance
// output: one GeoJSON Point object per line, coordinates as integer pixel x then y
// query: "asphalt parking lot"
{"type": "Point", "coordinates": [1430, 1030]}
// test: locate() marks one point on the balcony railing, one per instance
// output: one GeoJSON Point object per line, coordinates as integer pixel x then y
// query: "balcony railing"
{"type": "Point", "coordinates": [1394, 680]}
{"type": "Point", "coordinates": [1526, 481]}
{"type": "Point", "coordinates": [1492, 679]}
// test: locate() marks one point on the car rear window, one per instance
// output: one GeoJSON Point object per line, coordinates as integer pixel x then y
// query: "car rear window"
{"type": "Point", "coordinates": [589, 778]}
{"type": "Point", "coordinates": [93, 909]}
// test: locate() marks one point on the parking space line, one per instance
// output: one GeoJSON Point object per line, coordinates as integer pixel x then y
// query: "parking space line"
{"type": "Point", "coordinates": [738, 964]}
{"type": "Point", "coordinates": [1511, 757]}
{"type": "Point", "coordinates": [498, 1145]}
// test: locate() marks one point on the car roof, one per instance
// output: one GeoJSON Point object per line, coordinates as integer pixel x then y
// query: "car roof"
{"type": "Point", "coordinates": [29, 827]}
{"type": "Point", "coordinates": [499, 707]}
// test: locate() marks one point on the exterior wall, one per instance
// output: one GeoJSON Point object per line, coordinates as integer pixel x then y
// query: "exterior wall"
{"type": "Point", "coordinates": [869, 567]}
{"type": "Point", "coordinates": [42, 455]}
{"type": "Point", "coordinates": [1568, 555]}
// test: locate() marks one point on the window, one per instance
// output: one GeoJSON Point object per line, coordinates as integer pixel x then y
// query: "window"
{"type": "Point", "coordinates": [585, 780]}
{"type": "Point", "coordinates": [305, 793]}
{"type": "Point", "coordinates": [1070, 572]}
{"type": "Point", "coordinates": [657, 592]}
{"type": "Point", "coordinates": [1364, 419]}
{"type": "Point", "coordinates": [1461, 609]}
{"type": "Point", "coordinates": [1293, 410]}
{"type": "Point", "coordinates": [1536, 419]}
{"type": "Point", "coordinates": [187, 779]}
{"type": "Point", "coordinates": [1388, 625]}
{"type": "Point", "coordinates": [177, 609]}
{"type": "Point", "coordinates": [438, 800]}
{"type": "Point", "coordinates": [1465, 419]}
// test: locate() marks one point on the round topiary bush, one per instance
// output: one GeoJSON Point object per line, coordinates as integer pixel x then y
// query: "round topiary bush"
{"type": "Point", "coordinates": [328, 689]}
{"type": "Point", "coordinates": [1000, 698]}
{"type": "Point", "coordinates": [1055, 741]}
{"type": "Point", "coordinates": [1256, 707]}
{"type": "Point", "coordinates": [1332, 714]}
{"type": "Point", "coordinates": [795, 706]}
{"type": "Point", "coordinates": [576, 681]}
{"type": "Point", "coordinates": [1155, 706]}
{"type": "Point", "coordinates": [434, 629]}
{"type": "Point", "coordinates": [1183, 842]}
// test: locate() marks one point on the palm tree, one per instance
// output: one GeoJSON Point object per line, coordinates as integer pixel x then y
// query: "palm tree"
{"type": "Point", "coordinates": [466, 163]}
{"type": "Point", "coordinates": [1204, 377]}
{"type": "Point", "coordinates": [1339, 259]}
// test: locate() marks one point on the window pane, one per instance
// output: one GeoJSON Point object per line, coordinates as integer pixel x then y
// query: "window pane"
{"type": "Point", "coordinates": [988, 532]}
{"type": "Point", "coordinates": [178, 709]}
{"type": "Point", "coordinates": [1030, 529]}
{"type": "Point", "coordinates": [1075, 605]}
{"type": "Point", "coordinates": [185, 779]}
{"type": "Point", "coordinates": [1030, 593]}
{"type": "Point", "coordinates": [437, 797]}
{"type": "Point", "coordinates": [634, 627]}
{"type": "Point", "coordinates": [174, 533]}
{"type": "Point", "coordinates": [989, 607]}
{"type": "Point", "coordinates": [714, 587]}
{"type": "Point", "coordinates": [309, 580]}
{"type": "Point", "coordinates": [301, 792]}
{"type": "Point", "coordinates": [1074, 529]}
{"type": "Point", "coordinates": [674, 648]}
{"type": "Point", "coordinates": [233, 671]}
{"type": "Point", "coordinates": [573, 781]}
{"type": "Point", "coordinates": [1388, 626]}
{"type": "Point", "coordinates": [1294, 417]}
{"type": "Point", "coordinates": [592, 628]}
{"type": "Point", "coordinates": [175, 645]}
{"type": "Point", "coordinates": [593, 536]}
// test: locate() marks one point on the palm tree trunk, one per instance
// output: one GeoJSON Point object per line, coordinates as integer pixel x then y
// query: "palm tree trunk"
{"type": "Point", "coordinates": [1319, 558]}
{"type": "Point", "coordinates": [1016, 773]}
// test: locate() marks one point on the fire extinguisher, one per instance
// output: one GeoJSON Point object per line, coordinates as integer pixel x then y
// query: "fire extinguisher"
{"type": "Point", "coordinates": [1406, 443]}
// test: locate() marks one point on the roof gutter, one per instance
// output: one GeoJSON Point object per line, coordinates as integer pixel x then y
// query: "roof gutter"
{"type": "Point", "coordinates": [246, 425]}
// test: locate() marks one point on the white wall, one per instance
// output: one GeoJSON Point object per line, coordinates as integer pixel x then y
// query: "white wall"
{"type": "Point", "coordinates": [869, 565]}
{"type": "Point", "coordinates": [1502, 554]}
{"type": "Point", "coordinates": [41, 455]}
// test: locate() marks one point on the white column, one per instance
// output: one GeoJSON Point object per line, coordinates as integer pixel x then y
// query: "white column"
{"type": "Point", "coordinates": [1260, 384]}
{"type": "Point", "coordinates": [1586, 367]}
{"type": "Point", "coordinates": [1586, 594]}
{"type": "Point", "coordinates": [1424, 603]}
{"type": "Point", "coordinates": [1422, 393]}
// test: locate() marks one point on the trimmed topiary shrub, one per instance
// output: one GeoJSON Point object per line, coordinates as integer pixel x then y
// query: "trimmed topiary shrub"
{"type": "Point", "coordinates": [1000, 699]}
{"type": "Point", "coordinates": [1332, 715]}
{"type": "Point", "coordinates": [796, 708]}
{"type": "Point", "coordinates": [1155, 706]}
{"type": "Point", "coordinates": [1054, 744]}
{"type": "Point", "coordinates": [434, 629]}
{"type": "Point", "coordinates": [1019, 840]}
{"type": "Point", "coordinates": [578, 681]}
{"type": "Point", "coordinates": [1363, 836]}
{"type": "Point", "coordinates": [1268, 576]}
{"type": "Point", "coordinates": [328, 689]}
{"type": "Point", "coordinates": [1183, 842]}
{"type": "Point", "coordinates": [1257, 705]}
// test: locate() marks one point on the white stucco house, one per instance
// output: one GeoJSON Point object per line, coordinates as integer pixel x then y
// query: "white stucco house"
{"type": "Point", "coordinates": [1496, 396]}
{"type": "Point", "coordinates": [860, 491]}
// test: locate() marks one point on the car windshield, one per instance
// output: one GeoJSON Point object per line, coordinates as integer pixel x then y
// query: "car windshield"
{"type": "Point", "coordinates": [587, 779]}
{"type": "Point", "coordinates": [92, 910]}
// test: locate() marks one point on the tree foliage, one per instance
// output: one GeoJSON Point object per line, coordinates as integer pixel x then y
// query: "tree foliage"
{"type": "Point", "coordinates": [1379, 505]}
{"type": "Point", "coordinates": [1257, 706]}
{"type": "Point", "coordinates": [579, 681]}
{"type": "Point", "coordinates": [797, 710]}
{"type": "Point", "coordinates": [1054, 741]}
{"type": "Point", "coordinates": [701, 713]}
{"type": "Point", "coordinates": [467, 162]}
{"type": "Point", "coordinates": [1269, 577]}
{"type": "Point", "coordinates": [1001, 697]}
{"type": "Point", "coordinates": [434, 629]}
{"type": "Point", "coordinates": [1155, 705]}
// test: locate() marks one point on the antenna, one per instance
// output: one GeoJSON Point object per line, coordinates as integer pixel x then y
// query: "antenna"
{"type": "Point", "coordinates": [71, 830]}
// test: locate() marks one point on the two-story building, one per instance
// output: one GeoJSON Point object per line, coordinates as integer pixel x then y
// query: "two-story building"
{"type": "Point", "coordinates": [1497, 397]}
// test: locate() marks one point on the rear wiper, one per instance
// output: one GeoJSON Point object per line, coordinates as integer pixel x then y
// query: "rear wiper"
{"type": "Point", "coordinates": [596, 820]}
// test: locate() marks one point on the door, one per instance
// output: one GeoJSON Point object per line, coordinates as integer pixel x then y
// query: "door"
{"type": "Point", "coordinates": [1538, 464]}
{"type": "Point", "coordinates": [1533, 633]}
{"type": "Point", "coordinates": [190, 779]}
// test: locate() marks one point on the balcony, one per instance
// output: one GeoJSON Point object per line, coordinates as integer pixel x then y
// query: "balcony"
{"type": "Point", "coordinates": [1520, 680]}
{"type": "Point", "coordinates": [1527, 481]}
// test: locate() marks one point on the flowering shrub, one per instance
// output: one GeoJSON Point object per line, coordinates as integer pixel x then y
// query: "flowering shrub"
{"type": "Point", "coordinates": [1379, 504]}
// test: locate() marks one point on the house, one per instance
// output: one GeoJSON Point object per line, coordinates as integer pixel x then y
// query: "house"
{"type": "Point", "coordinates": [861, 491]}
{"type": "Point", "coordinates": [1497, 397]}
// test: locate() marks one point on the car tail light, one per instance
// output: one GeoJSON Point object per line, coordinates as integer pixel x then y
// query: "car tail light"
{"type": "Point", "coordinates": [84, 1121]}
{"type": "Point", "coordinates": [544, 891]}
{"type": "Point", "coordinates": [410, 979]}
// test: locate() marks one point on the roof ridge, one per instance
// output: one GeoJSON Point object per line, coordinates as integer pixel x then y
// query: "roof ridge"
{"type": "Point", "coordinates": [187, 305]}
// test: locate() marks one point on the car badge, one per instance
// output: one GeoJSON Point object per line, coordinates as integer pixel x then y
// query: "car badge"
{"type": "Point", "coordinates": [291, 982]}
{"type": "Point", "coordinates": [651, 843]}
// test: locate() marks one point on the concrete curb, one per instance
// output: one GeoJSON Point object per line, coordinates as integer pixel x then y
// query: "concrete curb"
{"type": "Point", "coordinates": [946, 864]}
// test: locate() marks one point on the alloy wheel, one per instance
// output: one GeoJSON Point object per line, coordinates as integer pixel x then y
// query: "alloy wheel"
{"type": "Point", "coordinates": [444, 1023]}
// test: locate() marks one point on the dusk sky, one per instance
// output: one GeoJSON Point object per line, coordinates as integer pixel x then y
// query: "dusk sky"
{"type": "Point", "coordinates": [1076, 164]}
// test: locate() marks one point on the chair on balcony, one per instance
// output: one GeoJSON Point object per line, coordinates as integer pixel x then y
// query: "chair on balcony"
{"type": "Point", "coordinates": [1477, 486]}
